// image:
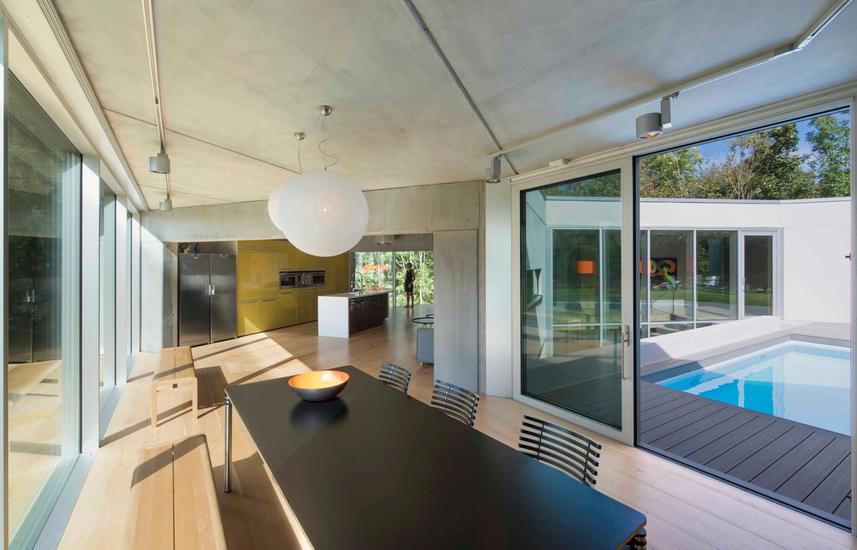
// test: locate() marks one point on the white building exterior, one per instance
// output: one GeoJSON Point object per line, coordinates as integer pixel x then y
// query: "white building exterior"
{"type": "Point", "coordinates": [813, 240]}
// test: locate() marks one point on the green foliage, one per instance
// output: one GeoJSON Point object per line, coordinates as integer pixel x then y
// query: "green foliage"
{"type": "Point", "coordinates": [670, 174]}
{"type": "Point", "coordinates": [605, 185]}
{"type": "Point", "coordinates": [760, 165]}
{"type": "Point", "coordinates": [423, 263]}
{"type": "Point", "coordinates": [375, 270]}
{"type": "Point", "coordinates": [830, 159]}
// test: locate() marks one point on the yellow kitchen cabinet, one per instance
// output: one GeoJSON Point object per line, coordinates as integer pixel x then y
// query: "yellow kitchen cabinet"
{"type": "Point", "coordinates": [261, 305]}
{"type": "Point", "coordinates": [289, 308]}
{"type": "Point", "coordinates": [304, 306]}
{"type": "Point", "coordinates": [248, 317]}
{"type": "Point", "coordinates": [270, 314]}
{"type": "Point", "coordinates": [248, 274]}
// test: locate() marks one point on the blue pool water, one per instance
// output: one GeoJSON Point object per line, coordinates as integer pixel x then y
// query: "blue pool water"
{"type": "Point", "coordinates": [804, 382]}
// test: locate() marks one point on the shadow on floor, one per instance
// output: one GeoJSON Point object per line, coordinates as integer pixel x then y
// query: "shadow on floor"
{"type": "Point", "coordinates": [252, 493]}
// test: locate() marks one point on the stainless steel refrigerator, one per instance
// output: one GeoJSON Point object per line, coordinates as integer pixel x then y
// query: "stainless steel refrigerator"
{"type": "Point", "coordinates": [207, 309]}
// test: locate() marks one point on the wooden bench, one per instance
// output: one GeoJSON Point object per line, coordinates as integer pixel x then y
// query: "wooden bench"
{"type": "Point", "coordinates": [174, 373]}
{"type": "Point", "coordinates": [174, 503]}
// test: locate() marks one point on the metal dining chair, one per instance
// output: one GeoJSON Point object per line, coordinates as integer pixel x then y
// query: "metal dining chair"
{"type": "Point", "coordinates": [455, 402]}
{"type": "Point", "coordinates": [395, 376]}
{"type": "Point", "coordinates": [561, 448]}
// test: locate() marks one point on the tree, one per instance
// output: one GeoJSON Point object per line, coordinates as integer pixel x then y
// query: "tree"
{"type": "Point", "coordinates": [773, 160]}
{"type": "Point", "coordinates": [673, 174]}
{"type": "Point", "coordinates": [606, 185]}
{"type": "Point", "coordinates": [830, 158]}
{"type": "Point", "coordinates": [732, 179]}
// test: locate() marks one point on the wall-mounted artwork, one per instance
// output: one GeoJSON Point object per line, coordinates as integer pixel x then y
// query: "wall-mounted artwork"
{"type": "Point", "coordinates": [663, 271]}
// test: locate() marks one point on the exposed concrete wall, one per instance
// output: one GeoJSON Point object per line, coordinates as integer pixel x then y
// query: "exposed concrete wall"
{"type": "Point", "coordinates": [159, 293]}
{"type": "Point", "coordinates": [428, 209]}
{"type": "Point", "coordinates": [423, 209]}
{"type": "Point", "coordinates": [419, 241]}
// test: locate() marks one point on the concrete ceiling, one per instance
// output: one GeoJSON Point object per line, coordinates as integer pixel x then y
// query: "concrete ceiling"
{"type": "Point", "coordinates": [238, 79]}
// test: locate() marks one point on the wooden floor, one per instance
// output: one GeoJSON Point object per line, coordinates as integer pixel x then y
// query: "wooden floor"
{"type": "Point", "coordinates": [806, 466]}
{"type": "Point", "coordinates": [685, 509]}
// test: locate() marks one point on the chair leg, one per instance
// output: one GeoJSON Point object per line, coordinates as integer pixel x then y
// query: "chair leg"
{"type": "Point", "coordinates": [639, 540]}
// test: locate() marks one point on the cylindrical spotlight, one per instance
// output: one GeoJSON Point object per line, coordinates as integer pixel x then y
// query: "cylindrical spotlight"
{"type": "Point", "coordinates": [649, 125]}
{"type": "Point", "coordinates": [160, 163]}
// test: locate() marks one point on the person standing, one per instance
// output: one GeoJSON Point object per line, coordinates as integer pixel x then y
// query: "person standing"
{"type": "Point", "coordinates": [409, 285]}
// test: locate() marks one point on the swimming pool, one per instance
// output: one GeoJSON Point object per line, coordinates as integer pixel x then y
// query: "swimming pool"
{"type": "Point", "coordinates": [808, 383]}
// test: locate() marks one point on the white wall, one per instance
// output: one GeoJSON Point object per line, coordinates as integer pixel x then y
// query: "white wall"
{"type": "Point", "coordinates": [498, 290]}
{"type": "Point", "coordinates": [815, 237]}
{"type": "Point", "coordinates": [816, 273]}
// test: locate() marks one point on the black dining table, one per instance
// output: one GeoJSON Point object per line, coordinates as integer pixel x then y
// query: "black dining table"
{"type": "Point", "coordinates": [375, 468]}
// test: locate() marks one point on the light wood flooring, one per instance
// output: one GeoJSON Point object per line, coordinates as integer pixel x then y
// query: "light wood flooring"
{"type": "Point", "coordinates": [685, 509]}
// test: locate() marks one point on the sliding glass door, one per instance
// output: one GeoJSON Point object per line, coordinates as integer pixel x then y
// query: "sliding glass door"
{"type": "Point", "coordinates": [758, 279]}
{"type": "Point", "coordinates": [576, 299]}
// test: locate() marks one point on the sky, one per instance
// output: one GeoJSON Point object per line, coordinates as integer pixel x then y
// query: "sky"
{"type": "Point", "coordinates": [716, 151]}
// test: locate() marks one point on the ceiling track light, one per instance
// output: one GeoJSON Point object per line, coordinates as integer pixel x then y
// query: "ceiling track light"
{"type": "Point", "coordinates": [167, 204]}
{"type": "Point", "coordinates": [160, 163]}
{"type": "Point", "coordinates": [494, 173]}
{"type": "Point", "coordinates": [652, 125]}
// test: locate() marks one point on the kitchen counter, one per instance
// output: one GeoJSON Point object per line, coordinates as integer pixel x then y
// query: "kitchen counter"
{"type": "Point", "coordinates": [343, 314]}
{"type": "Point", "coordinates": [358, 293]}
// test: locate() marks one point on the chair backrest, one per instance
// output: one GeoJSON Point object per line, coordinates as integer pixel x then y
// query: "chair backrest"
{"type": "Point", "coordinates": [456, 402]}
{"type": "Point", "coordinates": [395, 376]}
{"type": "Point", "coordinates": [561, 448]}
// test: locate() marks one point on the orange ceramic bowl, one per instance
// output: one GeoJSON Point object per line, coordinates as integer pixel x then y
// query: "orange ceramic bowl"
{"type": "Point", "coordinates": [320, 385]}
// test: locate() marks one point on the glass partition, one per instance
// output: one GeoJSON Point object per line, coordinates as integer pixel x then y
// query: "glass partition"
{"type": "Point", "coordinates": [716, 268]}
{"type": "Point", "coordinates": [571, 348]}
{"type": "Point", "coordinates": [758, 275]}
{"type": "Point", "coordinates": [670, 278]}
{"type": "Point", "coordinates": [43, 371]}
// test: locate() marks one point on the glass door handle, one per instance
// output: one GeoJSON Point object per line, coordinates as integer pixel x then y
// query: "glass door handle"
{"type": "Point", "coordinates": [626, 343]}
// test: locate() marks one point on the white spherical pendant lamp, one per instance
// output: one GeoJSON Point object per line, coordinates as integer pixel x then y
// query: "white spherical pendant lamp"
{"type": "Point", "coordinates": [322, 213]}
{"type": "Point", "coordinates": [274, 203]}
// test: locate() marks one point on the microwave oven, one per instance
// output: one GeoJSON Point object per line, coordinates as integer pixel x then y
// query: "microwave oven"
{"type": "Point", "coordinates": [317, 278]}
{"type": "Point", "coordinates": [290, 280]}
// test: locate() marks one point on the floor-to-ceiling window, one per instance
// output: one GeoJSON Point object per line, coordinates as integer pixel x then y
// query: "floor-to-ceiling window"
{"type": "Point", "coordinates": [422, 262]}
{"type": "Point", "coordinates": [373, 270]}
{"type": "Point", "coordinates": [43, 371]}
{"type": "Point", "coordinates": [107, 292]}
{"type": "Point", "coordinates": [744, 365]}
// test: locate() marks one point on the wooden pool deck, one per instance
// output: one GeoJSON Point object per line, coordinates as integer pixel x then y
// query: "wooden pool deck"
{"type": "Point", "coordinates": [807, 467]}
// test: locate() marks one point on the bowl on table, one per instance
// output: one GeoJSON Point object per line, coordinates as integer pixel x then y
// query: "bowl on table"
{"type": "Point", "coordinates": [320, 385]}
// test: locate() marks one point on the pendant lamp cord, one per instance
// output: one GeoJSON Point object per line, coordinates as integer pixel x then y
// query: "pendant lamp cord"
{"type": "Point", "coordinates": [322, 146]}
{"type": "Point", "coordinates": [300, 165]}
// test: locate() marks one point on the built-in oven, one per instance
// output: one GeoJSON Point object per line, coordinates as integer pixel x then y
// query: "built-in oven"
{"type": "Point", "coordinates": [312, 278]}
{"type": "Point", "coordinates": [290, 280]}
{"type": "Point", "coordinates": [317, 278]}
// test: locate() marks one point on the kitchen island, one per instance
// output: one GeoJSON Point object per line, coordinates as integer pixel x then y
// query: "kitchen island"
{"type": "Point", "coordinates": [343, 314]}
